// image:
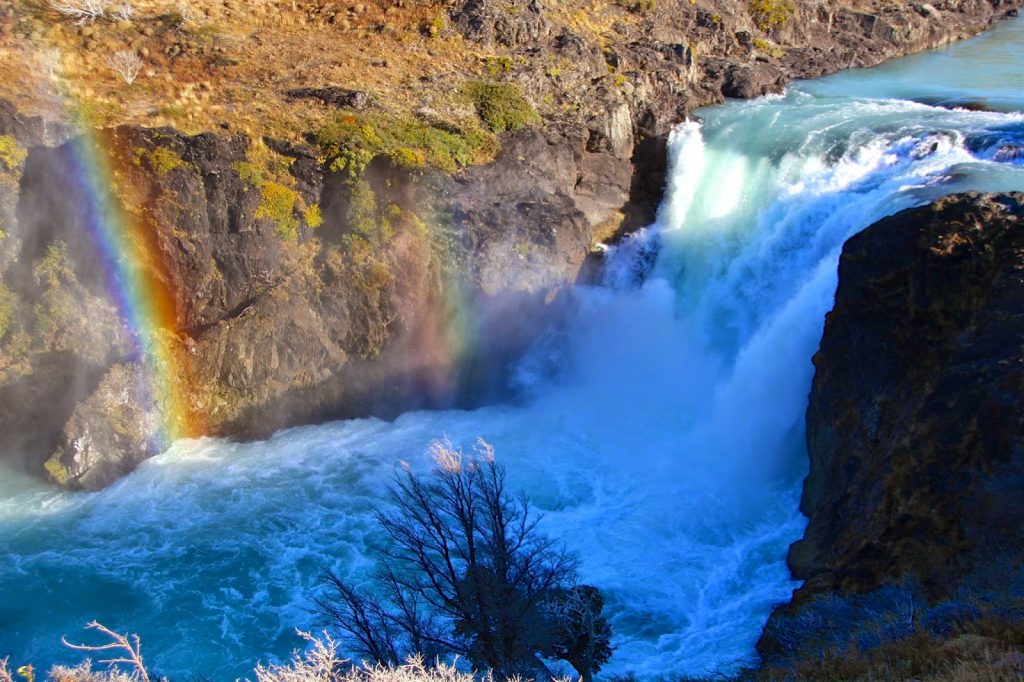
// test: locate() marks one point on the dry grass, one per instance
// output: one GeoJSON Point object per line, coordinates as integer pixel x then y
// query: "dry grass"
{"type": "Point", "coordinates": [321, 663]}
{"type": "Point", "coordinates": [993, 651]}
{"type": "Point", "coordinates": [209, 63]}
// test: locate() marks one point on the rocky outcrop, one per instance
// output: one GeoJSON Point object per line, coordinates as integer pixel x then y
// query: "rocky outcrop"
{"type": "Point", "coordinates": [914, 426]}
{"type": "Point", "coordinates": [289, 294]}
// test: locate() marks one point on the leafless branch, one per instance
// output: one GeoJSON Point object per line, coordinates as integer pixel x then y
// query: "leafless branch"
{"type": "Point", "coordinates": [129, 644]}
{"type": "Point", "coordinates": [82, 10]}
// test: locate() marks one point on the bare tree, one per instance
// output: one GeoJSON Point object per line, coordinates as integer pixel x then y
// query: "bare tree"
{"type": "Point", "coordinates": [466, 573]}
{"type": "Point", "coordinates": [127, 64]}
{"type": "Point", "coordinates": [82, 10]}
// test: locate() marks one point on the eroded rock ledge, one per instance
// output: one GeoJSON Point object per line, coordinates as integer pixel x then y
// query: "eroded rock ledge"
{"type": "Point", "coordinates": [916, 436]}
{"type": "Point", "coordinates": [269, 332]}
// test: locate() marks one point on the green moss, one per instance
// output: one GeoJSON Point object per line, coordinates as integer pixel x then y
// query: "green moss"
{"type": "Point", "coordinates": [497, 66]}
{"type": "Point", "coordinates": [57, 471]}
{"type": "Point", "coordinates": [769, 15]}
{"type": "Point", "coordinates": [351, 142]}
{"type": "Point", "coordinates": [314, 216]}
{"type": "Point", "coordinates": [248, 172]}
{"type": "Point", "coordinates": [277, 203]}
{"type": "Point", "coordinates": [502, 106]}
{"type": "Point", "coordinates": [12, 154]}
{"type": "Point", "coordinates": [769, 49]}
{"type": "Point", "coordinates": [162, 160]}
{"type": "Point", "coordinates": [8, 307]}
{"type": "Point", "coordinates": [436, 26]}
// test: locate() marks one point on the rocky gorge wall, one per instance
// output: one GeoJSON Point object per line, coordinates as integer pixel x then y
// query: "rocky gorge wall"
{"type": "Point", "coordinates": [297, 295]}
{"type": "Point", "coordinates": [916, 440]}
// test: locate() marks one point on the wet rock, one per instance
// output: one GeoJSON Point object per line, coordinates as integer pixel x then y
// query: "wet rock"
{"type": "Point", "coordinates": [1009, 152]}
{"type": "Point", "coordinates": [114, 429]}
{"type": "Point", "coordinates": [754, 80]}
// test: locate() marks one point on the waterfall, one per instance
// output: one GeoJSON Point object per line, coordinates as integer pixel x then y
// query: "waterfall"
{"type": "Point", "coordinates": [660, 427]}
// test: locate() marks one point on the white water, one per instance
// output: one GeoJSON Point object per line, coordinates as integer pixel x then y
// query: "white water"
{"type": "Point", "coordinates": [661, 425]}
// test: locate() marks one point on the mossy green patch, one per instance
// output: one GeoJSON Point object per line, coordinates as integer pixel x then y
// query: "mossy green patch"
{"type": "Point", "coordinates": [502, 106]}
{"type": "Point", "coordinates": [248, 172]}
{"type": "Point", "coordinates": [314, 216]}
{"type": "Point", "coordinates": [352, 141]}
{"type": "Point", "coordinates": [769, 15]}
{"type": "Point", "coordinates": [162, 160]}
{"type": "Point", "coordinates": [57, 471]}
{"type": "Point", "coordinates": [12, 154]}
{"type": "Point", "coordinates": [277, 203]}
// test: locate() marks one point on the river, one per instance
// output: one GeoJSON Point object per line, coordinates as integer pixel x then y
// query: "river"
{"type": "Point", "coordinates": [659, 426]}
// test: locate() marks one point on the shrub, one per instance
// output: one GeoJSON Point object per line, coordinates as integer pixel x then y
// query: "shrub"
{"type": "Point", "coordinates": [502, 106]}
{"type": "Point", "coordinates": [352, 142]}
{"type": "Point", "coordinates": [160, 160]}
{"type": "Point", "coordinates": [12, 154]}
{"type": "Point", "coordinates": [769, 15]}
{"type": "Point", "coordinates": [277, 203]}
{"type": "Point", "coordinates": [314, 216]}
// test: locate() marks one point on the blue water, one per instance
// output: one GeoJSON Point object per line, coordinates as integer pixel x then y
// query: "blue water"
{"type": "Point", "coordinates": [660, 425]}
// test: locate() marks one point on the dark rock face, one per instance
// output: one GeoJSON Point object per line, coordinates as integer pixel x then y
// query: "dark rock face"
{"type": "Point", "coordinates": [514, 23]}
{"type": "Point", "coordinates": [751, 81]}
{"type": "Point", "coordinates": [915, 428]}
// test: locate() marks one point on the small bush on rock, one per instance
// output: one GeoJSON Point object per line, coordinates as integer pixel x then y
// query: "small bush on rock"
{"type": "Point", "coordinates": [353, 141]}
{"type": "Point", "coordinates": [502, 106]}
{"type": "Point", "coordinates": [770, 15]}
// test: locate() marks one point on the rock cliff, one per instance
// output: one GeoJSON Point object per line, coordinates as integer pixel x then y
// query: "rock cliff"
{"type": "Point", "coordinates": [389, 259]}
{"type": "Point", "coordinates": [915, 432]}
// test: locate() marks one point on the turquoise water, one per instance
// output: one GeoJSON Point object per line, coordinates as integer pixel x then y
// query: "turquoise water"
{"type": "Point", "coordinates": [660, 426]}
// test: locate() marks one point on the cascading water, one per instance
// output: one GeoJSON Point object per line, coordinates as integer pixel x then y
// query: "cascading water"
{"type": "Point", "coordinates": [661, 425]}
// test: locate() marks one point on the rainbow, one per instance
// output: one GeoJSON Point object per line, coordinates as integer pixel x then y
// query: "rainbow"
{"type": "Point", "coordinates": [136, 280]}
